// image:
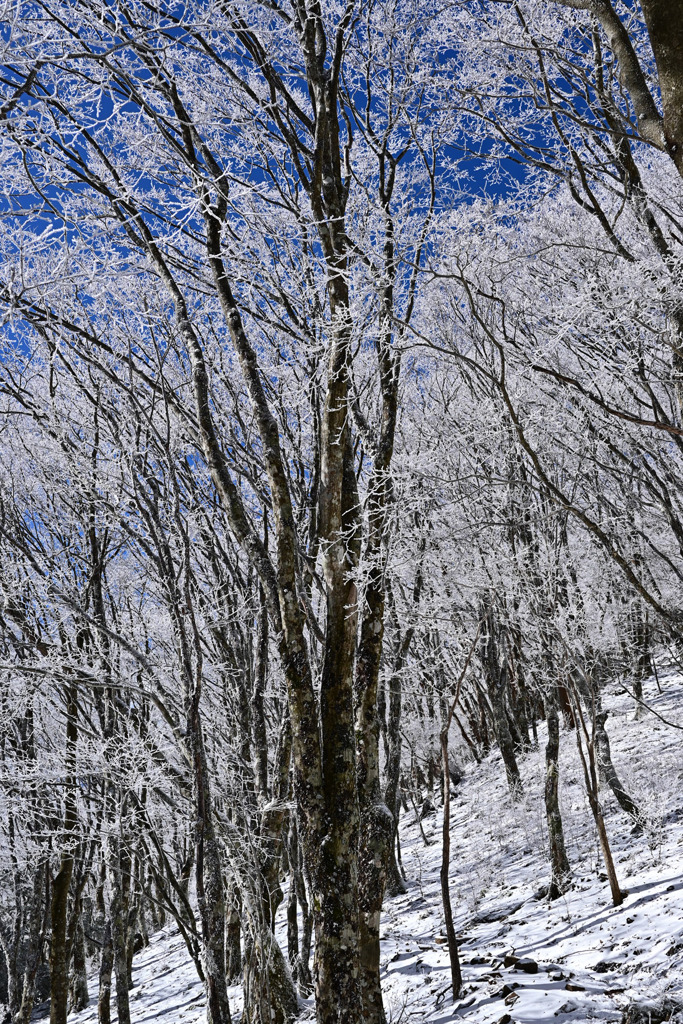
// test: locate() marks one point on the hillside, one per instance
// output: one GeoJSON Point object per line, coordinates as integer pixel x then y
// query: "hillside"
{"type": "Point", "coordinates": [593, 960]}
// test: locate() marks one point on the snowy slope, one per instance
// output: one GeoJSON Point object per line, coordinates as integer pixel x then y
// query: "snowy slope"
{"type": "Point", "coordinates": [593, 959]}
{"type": "Point", "coordinates": [498, 862]}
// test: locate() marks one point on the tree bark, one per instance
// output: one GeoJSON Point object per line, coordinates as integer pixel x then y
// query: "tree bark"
{"type": "Point", "coordinates": [395, 882]}
{"type": "Point", "coordinates": [59, 951]}
{"type": "Point", "coordinates": [119, 930]}
{"type": "Point", "coordinates": [590, 772]}
{"type": "Point", "coordinates": [208, 879]}
{"type": "Point", "coordinates": [233, 936]}
{"type": "Point", "coordinates": [496, 677]}
{"type": "Point", "coordinates": [299, 959]}
{"type": "Point", "coordinates": [35, 919]}
{"type": "Point", "coordinates": [559, 863]}
{"type": "Point", "coordinates": [270, 996]}
{"type": "Point", "coordinates": [609, 773]}
{"type": "Point", "coordinates": [258, 709]}
{"type": "Point", "coordinates": [665, 28]}
{"type": "Point", "coordinates": [59, 954]}
{"type": "Point", "coordinates": [106, 968]}
{"type": "Point", "coordinates": [78, 990]}
{"type": "Point", "coordinates": [456, 973]}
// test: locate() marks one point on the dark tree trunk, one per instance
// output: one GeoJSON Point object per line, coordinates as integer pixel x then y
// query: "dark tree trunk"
{"type": "Point", "coordinates": [609, 773]}
{"type": "Point", "coordinates": [59, 953]}
{"type": "Point", "coordinates": [106, 968]}
{"type": "Point", "coordinates": [302, 968]}
{"type": "Point", "coordinates": [292, 899]}
{"type": "Point", "coordinates": [292, 925]}
{"type": "Point", "coordinates": [233, 936]}
{"type": "Point", "coordinates": [78, 992]}
{"type": "Point", "coordinates": [395, 882]}
{"type": "Point", "coordinates": [119, 931]}
{"type": "Point", "coordinates": [484, 734]}
{"type": "Point", "coordinates": [496, 677]}
{"type": "Point", "coordinates": [334, 866]}
{"type": "Point", "coordinates": [559, 864]}
{"type": "Point", "coordinates": [209, 881]}
{"type": "Point", "coordinates": [33, 946]}
{"type": "Point", "coordinates": [376, 819]}
{"type": "Point", "coordinates": [59, 947]}
{"type": "Point", "coordinates": [11, 940]}
{"type": "Point", "coordinates": [270, 996]}
{"type": "Point", "coordinates": [456, 973]}
{"type": "Point", "coordinates": [590, 772]}
{"type": "Point", "coordinates": [665, 27]}
{"type": "Point", "coordinates": [323, 740]}
{"type": "Point", "coordinates": [258, 702]}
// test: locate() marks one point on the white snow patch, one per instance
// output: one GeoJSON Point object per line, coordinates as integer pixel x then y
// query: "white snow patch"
{"type": "Point", "coordinates": [498, 862]}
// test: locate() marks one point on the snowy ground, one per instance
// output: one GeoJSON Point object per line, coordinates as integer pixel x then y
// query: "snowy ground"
{"type": "Point", "coordinates": [593, 959]}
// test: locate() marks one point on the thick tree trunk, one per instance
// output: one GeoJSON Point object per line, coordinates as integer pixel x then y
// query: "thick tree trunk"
{"type": "Point", "coordinates": [292, 896]}
{"type": "Point", "coordinates": [323, 743]}
{"type": "Point", "coordinates": [335, 863]}
{"type": "Point", "coordinates": [559, 863]}
{"type": "Point", "coordinates": [78, 989]}
{"type": "Point", "coordinates": [292, 925]}
{"type": "Point", "coordinates": [119, 932]}
{"type": "Point", "coordinates": [11, 940]}
{"type": "Point", "coordinates": [376, 820]}
{"type": "Point", "coordinates": [10, 949]}
{"type": "Point", "coordinates": [59, 953]}
{"type": "Point", "coordinates": [35, 919]}
{"type": "Point", "coordinates": [209, 880]}
{"type": "Point", "coordinates": [300, 957]}
{"type": "Point", "coordinates": [260, 737]}
{"type": "Point", "coordinates": [233, 937]}
{"type": "Point", "coordinates": [131, 931]}
{"type": "Point", "coordinates": [665, 28]}
{"type": "Point", "coordinates": [496, 679]}
{"type": "Point", "coordinates": [270, 995]}
{"type": "Point", "coordinates": [106, 968]}
{"type": "Point", "coordinates": [376, 841]}
{"type": "Point", "coordinates": [334, 871]}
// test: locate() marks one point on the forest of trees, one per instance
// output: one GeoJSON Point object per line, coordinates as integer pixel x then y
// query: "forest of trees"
{"type": "Point", "coordinates": [341, 410]}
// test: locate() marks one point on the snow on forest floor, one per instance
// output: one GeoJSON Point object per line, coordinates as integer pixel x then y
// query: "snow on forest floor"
{"type": "Point", "coordinates": [593, 959]}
